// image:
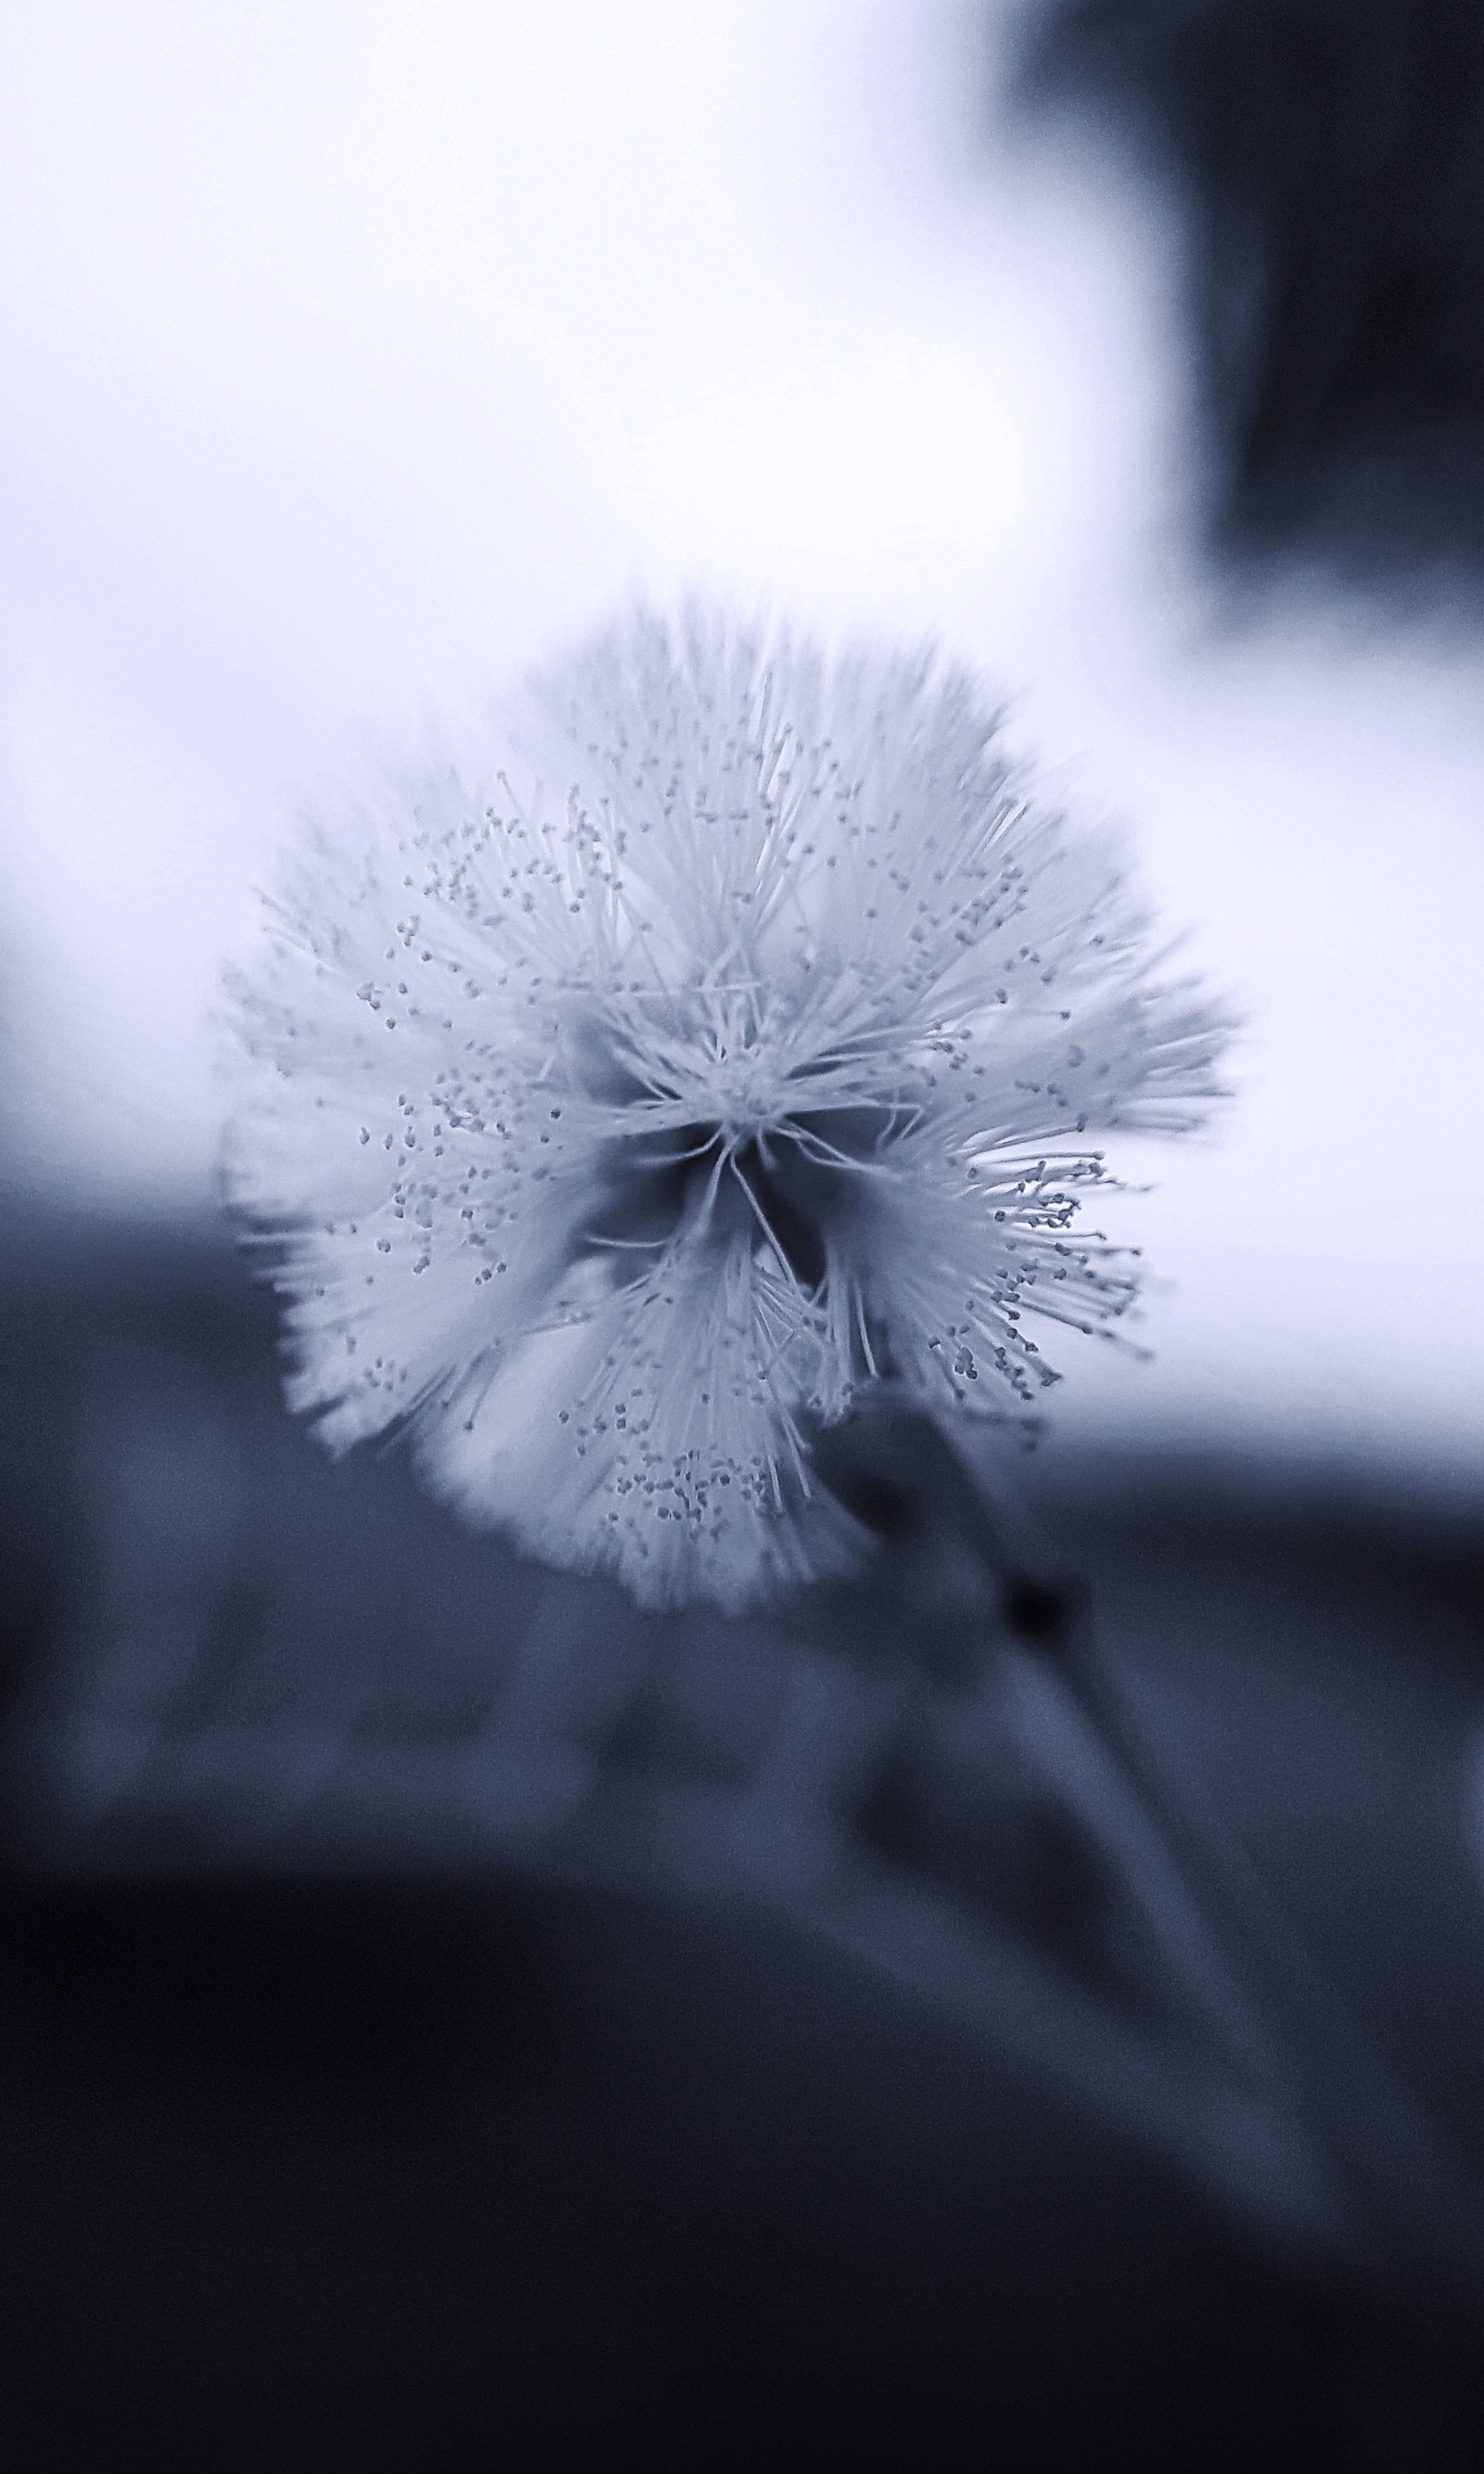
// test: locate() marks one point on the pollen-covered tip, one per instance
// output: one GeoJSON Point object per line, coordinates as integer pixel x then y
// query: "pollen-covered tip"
{"type": "Point", "coordinates": [727, 1038]}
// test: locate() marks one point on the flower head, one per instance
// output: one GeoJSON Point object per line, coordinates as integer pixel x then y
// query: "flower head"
{"type": "Point", "coordinates": [617, 1110]}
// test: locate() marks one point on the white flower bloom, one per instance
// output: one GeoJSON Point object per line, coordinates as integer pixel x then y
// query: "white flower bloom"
{"type": "Point", "coordinates": [617, 1110]}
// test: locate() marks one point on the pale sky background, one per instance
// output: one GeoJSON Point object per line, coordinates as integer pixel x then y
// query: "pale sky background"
{"type": "Point", "coordinates": [354, 352]}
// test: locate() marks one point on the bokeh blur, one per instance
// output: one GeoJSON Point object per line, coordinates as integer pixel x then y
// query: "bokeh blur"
{"type": "Point", "coordinates": [427, 2035]}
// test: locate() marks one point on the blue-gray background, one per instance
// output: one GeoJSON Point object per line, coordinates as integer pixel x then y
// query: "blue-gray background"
{"type": "Point", "coordinates": [352, 357]}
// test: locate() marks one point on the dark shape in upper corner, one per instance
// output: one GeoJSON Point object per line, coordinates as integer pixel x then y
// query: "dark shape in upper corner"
{"type": "Point", "coordinates": [1331, 154]}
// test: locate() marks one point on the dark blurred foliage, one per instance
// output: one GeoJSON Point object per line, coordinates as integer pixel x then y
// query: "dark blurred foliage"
{"type": "Point", "coordinates": [365, 2155]}
{"type": "Point", "coordinates": [1328, 156]}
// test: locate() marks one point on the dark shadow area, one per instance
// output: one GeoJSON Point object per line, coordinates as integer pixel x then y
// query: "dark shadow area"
{"type": "Point", "coordinates": [747, 2209]}
{"type": "Point", "coordinates": [1327, 158]}
{"type": "Point", "coordinates": [312, 2160]}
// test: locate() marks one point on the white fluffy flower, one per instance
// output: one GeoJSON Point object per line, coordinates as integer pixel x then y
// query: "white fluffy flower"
{"type": "Point", "coordinates": [617, 1109]}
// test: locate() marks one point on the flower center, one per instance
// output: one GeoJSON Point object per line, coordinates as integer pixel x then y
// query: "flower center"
{"type": "Point", "coordinates": [785, 1185]}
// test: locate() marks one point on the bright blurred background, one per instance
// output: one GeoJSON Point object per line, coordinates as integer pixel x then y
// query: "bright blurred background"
{"type": "Point", "coordinates": [353, 356]}
{"type": "Point", "coordinates": [388, 2076]}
